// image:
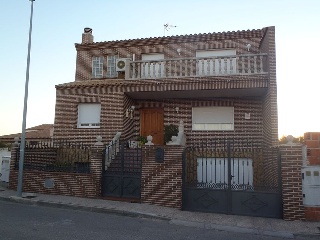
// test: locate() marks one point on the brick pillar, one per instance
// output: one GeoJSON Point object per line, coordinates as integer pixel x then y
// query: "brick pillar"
{"type": "Point", "coordinates": [13, 176]}
{"type": "Point", "coordinates": [161, 182]}
{"type": "Point", "coordinates": [96, 164]}
{"type": "Point", "coordinates": [291, 163]}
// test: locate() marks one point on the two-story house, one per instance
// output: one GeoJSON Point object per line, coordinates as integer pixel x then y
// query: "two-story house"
{"type": "Point", "coordinates": [219, 84]}
{"type": "Point", "coordinates": [220, 88]}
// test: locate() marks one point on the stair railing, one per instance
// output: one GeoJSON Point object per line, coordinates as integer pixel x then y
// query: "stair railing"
{"type": "Point", "coordinates": [112, 149]}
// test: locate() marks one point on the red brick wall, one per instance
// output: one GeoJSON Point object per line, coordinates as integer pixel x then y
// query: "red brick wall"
{"type": "Point", "coordinates": [291, 163]}
{"type": "Point", "coordinates": [66, 116]}
{"type": "Point", "coordinates": [71, 184]}
{"type": "Point", "coordinates": [312, 213]}
{"type": "Point", "coordinates": [270, 110]}
{"type": "Point", "coordinates": [312, 141]}
{"type": "Point", "coordinates": [113, 116]}
{"type": "Point", "coordinates": [161, 183]}
{"type": "Point", "coordinates": [168, 46]}
{"type": "Point", "coordinates": [114, 120]}
{"type": "Point", "coordinates": [243, 128]}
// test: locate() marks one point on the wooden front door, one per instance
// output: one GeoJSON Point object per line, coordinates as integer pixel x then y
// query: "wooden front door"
{"type": "Point", "coordinates": [151, 123]}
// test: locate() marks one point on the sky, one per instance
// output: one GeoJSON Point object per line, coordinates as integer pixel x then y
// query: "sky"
{"type": "Point", "coordinates": [58, 24]}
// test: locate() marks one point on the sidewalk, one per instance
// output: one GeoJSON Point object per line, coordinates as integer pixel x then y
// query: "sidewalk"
{"type": "Point", "coordinates": [233, 223]}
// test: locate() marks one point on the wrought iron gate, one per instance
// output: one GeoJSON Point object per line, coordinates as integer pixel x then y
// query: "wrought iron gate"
{"type": "Point", "coordinates": [121, 173]}
{"type": "Point", "coordinates": [232, 177]}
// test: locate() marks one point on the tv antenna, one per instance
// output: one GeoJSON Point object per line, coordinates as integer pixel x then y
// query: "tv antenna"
{"type": "Point", "coordinates": [167, 27]}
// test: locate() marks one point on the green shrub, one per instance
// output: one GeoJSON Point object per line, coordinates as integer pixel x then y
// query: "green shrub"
{"type": "Point", "coordinates": [169, 131]}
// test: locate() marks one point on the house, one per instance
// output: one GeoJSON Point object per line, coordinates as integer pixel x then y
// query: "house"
{"type": "Point", "coordinates": [219, 84]}
{"type": "Point", "coordinates": [34, 134]}
{"type": "Point", "coordinates": [219, 88]}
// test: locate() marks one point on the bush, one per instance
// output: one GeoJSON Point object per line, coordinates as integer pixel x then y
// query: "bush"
{"type": "Point", "coordinates": [169, 131]}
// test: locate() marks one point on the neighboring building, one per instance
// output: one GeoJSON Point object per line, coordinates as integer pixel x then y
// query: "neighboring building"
{"type": "Point", "coordinates": [38, 133]}
{"type": "Point", "coordinates": [220, 84]}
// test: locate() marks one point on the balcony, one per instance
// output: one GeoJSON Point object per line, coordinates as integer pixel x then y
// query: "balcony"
{"type": "Point", "coordinates": [246, 64]}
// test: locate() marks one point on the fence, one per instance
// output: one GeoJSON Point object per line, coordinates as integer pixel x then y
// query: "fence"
{"type": "Point", "coordinates": [56, 156]}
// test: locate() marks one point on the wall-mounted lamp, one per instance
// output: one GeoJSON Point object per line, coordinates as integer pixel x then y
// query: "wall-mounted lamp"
{"type": "Point", "coordinates": [248, 46]}
{"type": "Point", "coordinates": [179, 51]}
{"type": "Point", "coordinates": [130, 110]}
{"type": "Point", "coordinates": [177, 109]}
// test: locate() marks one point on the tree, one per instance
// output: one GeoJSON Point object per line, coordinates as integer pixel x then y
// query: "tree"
{"type": "Point", "coordinates": [3, 145]}
{"type": "Point", "coordinates": [283, 140]}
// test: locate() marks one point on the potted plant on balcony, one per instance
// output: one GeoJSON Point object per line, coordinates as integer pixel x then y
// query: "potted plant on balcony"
{"type": "Point", "coordinates": [142, 140]}
{"type": "Point", "coordinates": [169, 131]}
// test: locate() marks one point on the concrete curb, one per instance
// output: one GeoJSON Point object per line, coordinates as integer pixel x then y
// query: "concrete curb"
{"type": "Point", "coordinates": [84, 208]}
{"type": "Point", "coordinates": [231, 228]}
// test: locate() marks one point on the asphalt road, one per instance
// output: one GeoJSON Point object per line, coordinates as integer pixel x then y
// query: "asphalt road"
{"type": "Point", "coordinates": [22, 221]}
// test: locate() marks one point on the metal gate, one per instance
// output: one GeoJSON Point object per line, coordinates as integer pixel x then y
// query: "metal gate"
{"type": "Point", "coordinates": [121, 173]}
{"type": "Point", "coordinates": [232, 177]}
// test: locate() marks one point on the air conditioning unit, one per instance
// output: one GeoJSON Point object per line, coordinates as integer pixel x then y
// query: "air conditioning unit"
{"type": "Point", "coordinates": [121, 64]}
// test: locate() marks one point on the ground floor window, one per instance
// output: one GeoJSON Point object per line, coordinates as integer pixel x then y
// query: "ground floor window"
{"type": "Point", "coordinates": [89, 115]}
{"type": "Point", "coordinates": [212, 118]}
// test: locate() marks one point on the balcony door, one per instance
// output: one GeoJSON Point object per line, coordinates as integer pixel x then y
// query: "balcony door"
{"type": "Point", "coordinates": [153, 68]}
{"type": "Point", "coordinates": [151, 123]}
{"type": "Point", "coordinates": [216, 62]}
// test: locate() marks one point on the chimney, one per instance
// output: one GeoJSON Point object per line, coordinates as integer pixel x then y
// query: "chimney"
{"type": "Point", "coordinates": [87, 36]}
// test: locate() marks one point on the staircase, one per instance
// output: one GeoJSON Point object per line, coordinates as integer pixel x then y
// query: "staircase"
{"type": "Point", "coordinates": [126, 161]}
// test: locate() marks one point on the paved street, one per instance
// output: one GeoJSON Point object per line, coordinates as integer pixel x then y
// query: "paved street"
{"type": "Point", "coordinates": [21, 221]}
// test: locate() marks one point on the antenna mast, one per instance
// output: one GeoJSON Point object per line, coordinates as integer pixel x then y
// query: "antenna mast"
{"type": "Point", "coordinates": [166, 27]}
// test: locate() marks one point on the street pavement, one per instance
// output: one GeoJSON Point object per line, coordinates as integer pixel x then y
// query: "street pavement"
{"type": "Point", "coordinates": [223, 222]}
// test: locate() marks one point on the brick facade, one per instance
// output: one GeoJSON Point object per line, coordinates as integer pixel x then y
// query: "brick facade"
{"type": "Point", "coordinates": [312, 213]}
{"type": "Point", "coordinates": [70, 184]}
{"type": "Point", "coordinates": [270, 110]}
{"type": "Point", "coordinates": [117, 95]}
{"type": "Point", "coordinates": [161, 183]}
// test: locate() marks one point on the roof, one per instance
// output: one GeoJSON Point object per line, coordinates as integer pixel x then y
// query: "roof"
{"type": "Point", "coordinates": [255, 33]}
{"type": "Point", "coordinates": [91, 83]}
{"type": "Point", "coordinates": [37, 132]}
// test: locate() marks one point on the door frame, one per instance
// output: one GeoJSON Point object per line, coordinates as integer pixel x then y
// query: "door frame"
{"type": "Point", "coordinates": [159, 109]}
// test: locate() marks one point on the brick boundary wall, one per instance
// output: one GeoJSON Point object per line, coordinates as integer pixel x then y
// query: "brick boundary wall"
{"type": "Point", "coordinates": [312, 213]}
{"type": "Point", "coordinates": [68, 184]}
{"type": "Point", "coordinates": [291, 163]}
{"type": "Point", "coordinates": [161, 183]}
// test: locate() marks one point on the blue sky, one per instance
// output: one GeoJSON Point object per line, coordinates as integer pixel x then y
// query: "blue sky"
{"type": "Point", "coordinates": [58, 24]}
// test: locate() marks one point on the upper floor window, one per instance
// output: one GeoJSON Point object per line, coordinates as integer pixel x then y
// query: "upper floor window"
{"type": "Point", "coordinates": [97, 67]}
{"type": "Point", "coordinates": [153, 67]}
{"type": "Point", "coordinates": [216, 62]}
{"type": "Point", "coordinates": [213, 118]}
{"type": "Point", "coordinates": [89, 115]}
{"type": "Point", "coordinates": [111, 66]}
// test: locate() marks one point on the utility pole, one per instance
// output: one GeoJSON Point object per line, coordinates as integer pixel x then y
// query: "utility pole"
{"type": "Point", "coordinates": [23, 134]}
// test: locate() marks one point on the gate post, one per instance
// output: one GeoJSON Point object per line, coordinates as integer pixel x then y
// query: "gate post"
{"type": "Point", "coordinates": [291, 163]}
{"type": "Point", "coordinates": [96, 164]}
{"type": "Point", "coordinates": [229, 177]}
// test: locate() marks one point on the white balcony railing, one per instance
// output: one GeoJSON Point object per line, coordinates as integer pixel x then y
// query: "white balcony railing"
{"type": "Point", "coordinates": [198, 67]}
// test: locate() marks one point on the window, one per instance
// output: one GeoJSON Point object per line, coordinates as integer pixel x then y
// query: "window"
{"type": "Point", "coordinates": [212, 118]}
{"type": "Point", "coordinates": [111, 66]}
{"type": "Point", "coordinates": [89, 115]}
{"type": "Point", "coordinates": [97, 67]}
{"type": "Point", "coordinates": [216, 62]}
{"type": "Point", "coordinates": [153, 68]}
